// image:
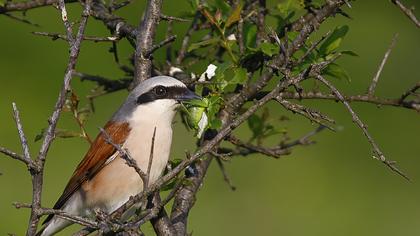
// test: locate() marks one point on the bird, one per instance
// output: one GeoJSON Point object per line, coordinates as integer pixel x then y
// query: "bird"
{"type": "Point", "coordinates": [103, 180]}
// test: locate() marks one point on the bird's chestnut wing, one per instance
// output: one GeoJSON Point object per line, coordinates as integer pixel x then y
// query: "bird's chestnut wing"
{"type": "Point", "coordinates": [94, 160]}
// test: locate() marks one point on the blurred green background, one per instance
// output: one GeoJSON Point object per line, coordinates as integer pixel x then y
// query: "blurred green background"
{"type": "Point", "coordinates": [332, 188]}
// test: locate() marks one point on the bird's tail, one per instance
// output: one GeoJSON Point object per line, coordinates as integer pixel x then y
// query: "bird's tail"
{"type": "Point", "coordinates": [52, 227]}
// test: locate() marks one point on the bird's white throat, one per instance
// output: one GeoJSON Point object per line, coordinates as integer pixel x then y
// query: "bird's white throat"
{"type": "Point", "coordinates": [145, 119]}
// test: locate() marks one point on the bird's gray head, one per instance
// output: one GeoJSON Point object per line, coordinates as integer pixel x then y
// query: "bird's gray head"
{"type": "Point", "coordinates": [159, 95]}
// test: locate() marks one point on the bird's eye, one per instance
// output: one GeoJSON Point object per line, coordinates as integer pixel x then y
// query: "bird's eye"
{"type": "Point", "coordinates": [160, 91]}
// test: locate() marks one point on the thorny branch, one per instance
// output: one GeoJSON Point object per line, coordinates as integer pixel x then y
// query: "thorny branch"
{"type": "Point", "coordinates": [144, 41]}
{"type": "Point", "coordinates": [408, 12]}
{"type": "Point", "coordinates": [376, 151]}
{"type": "Point", "coordinates": [37, 165]}
{"type": "Point", "coordinates": [375, 79]}
{"type": "Point", "coordinates": [10, 6]}
{"type": "Point", "coordinates": [141, 37]}
{"type": "Point", "coordinates": [126, 156]}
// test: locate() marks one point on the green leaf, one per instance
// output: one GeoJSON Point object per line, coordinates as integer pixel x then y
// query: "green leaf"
{"type": "Point", "coordinates": [269, 49]}
{"type": "Point", "coordinates": [202, 44]}
{"type": "Point", "coordinates": [235, 16]}
{"type": "Point", "coordinates": [333, 41]}
{"type": "Point", "coordinates": [350, 53]}
{"type": "Point", "coordinates": [40, 135]}
{"type": "Point", "coordinates": [220, 78]}
{"type": "Point", "coordinates": [223, 6]}
{"type": "Point", "coordinates": [292, 35]}
{"type": "Point", "coordinates": [336, 71]}
{"type": "Point", "coordinates": [250, 32]}
{"type": "Point", "coordinates": [215, 124]}
{"type": "Point", "coordinates": [288, 6]}
{"type": "Point", "coordinates": [175, 162]}
{"type": "Point", "coordinates": [194, 116]}
{"type": "Point", "coordinates": [197, 102]}
{"type": "Point", "coordinates": [240, 76]}
{"type": "Point", "coordinates": [214, 106]}
{"type": "Point", "coordinates": [170, 185]}
{"type": "Point", "coordinates": [62, 133]}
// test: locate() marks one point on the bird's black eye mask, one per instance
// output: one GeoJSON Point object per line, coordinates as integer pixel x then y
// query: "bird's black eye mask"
{"type": "Point", "coordinates": [161, 92]}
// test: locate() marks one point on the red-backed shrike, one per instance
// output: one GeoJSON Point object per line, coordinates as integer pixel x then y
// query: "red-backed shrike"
{"type": "Point", "coordinates": [103, 180]}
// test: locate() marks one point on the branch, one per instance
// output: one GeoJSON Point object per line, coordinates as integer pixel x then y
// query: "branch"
{"type": "Point", "coordinates": [184, 46]}
{"type": "Point", "coordinates": [22, 135]}
{"type": "Point", "coordinates": [186, 198]}
{"type": "Point", "coordinates": [224, 173]}
{"type": "Point", "coordinates": [109, 85]}
{"type": "Point", "coordinates": [10, 6]}
{"type": "Point", "coordinates": [310, 114]}
{"type": "Point", "coordinates": [163, 43]}
{"type": "Point", "coordinates": [55, 36]}
{"type": "Point", "coordinates": [14, 155]}
{"type": "Point", "coordinates": [410, 92]}
{"type": "Point", "coordinates": [408, 12]}
{"type": "Point", "coordinates": [114, 23]}
{"type": "Point", "coordinates": [144, 41]}
{"type": "Point", "coordinates": [377, 152]}
{"type": "Point", "coordinates": [275, 152]}
{"type": "Point", "coordinates": [59, 213]}
{"type": "Point", "coordinates": [172, 18]}
{"type": "Point", "coordinates": [414, 105]}
{"type": "Point", "coordinates": [375, 79]}
{"type": "Point", "coordinates": [126, 156]}
{"type": "Point", "coordinates": [37, 177]}
{"type": "Point", "coordinates": [307, 25]}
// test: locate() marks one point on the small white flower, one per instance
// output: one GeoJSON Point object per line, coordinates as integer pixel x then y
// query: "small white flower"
{"type": "Point", "coordinates": [231, 37]}
{"type": "Point", "coordinates": [202, 124]}
{"type": "Point", "coordinates": [209, 73]}
{"type": "Point", "coordinates": [173, 70]}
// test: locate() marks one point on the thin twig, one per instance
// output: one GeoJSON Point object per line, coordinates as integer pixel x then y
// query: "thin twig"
{"type": "Point", "coordinates": [310, 114]}
{"type": "Point", "coordinates": [22, 136]}
{"type": "Point", "coordinates": [37, 177]}
{"type": "Point", "coordinates": [20, 19]}
{"type": "Point", "coordinates": [14, 155]}
{"type": "Point", "coordinates": [153, 212]}
{"type": "Point", "coordinates": [149, 165]}
{"type": "Point", "coordinates": [312, 48]}
{"type": "Point", "coordinates": [126, 156]}
{"type": "Point", "coordinates": [67, 24]}
{"type": "Point", "coordinates": [275, 152]}
{"type": "Point", "coordinates": [55, 36]}
{"type": "Point", "coordinates": [172, 18]}
{"type": "Point", "coordinates": [305, 139]}
{"type": "Point", "coordinates": [10, 6]}
{"type": "Point", "coordinates": [408, 12]}
{"type": "Point", "coordinates": [59, 213]}
{"type": "Point", "coordinates": [183, 50]}
{"type": "Point", "coordinates": [413, 105]}
{"type": "Point", "coordinates": [410, 92]}
{"type": "Point", "coordinates": [163, 43]}
{"type": "Point", "coordinates": [375, 79]}
{"type": "Point", "coordinates": [224, 173]}
{"type": "Point", "coordinates": [377, 152]}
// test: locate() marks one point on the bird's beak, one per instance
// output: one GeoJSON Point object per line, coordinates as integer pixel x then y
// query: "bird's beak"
{"type": "Point", "coordinates": [188, 95]}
